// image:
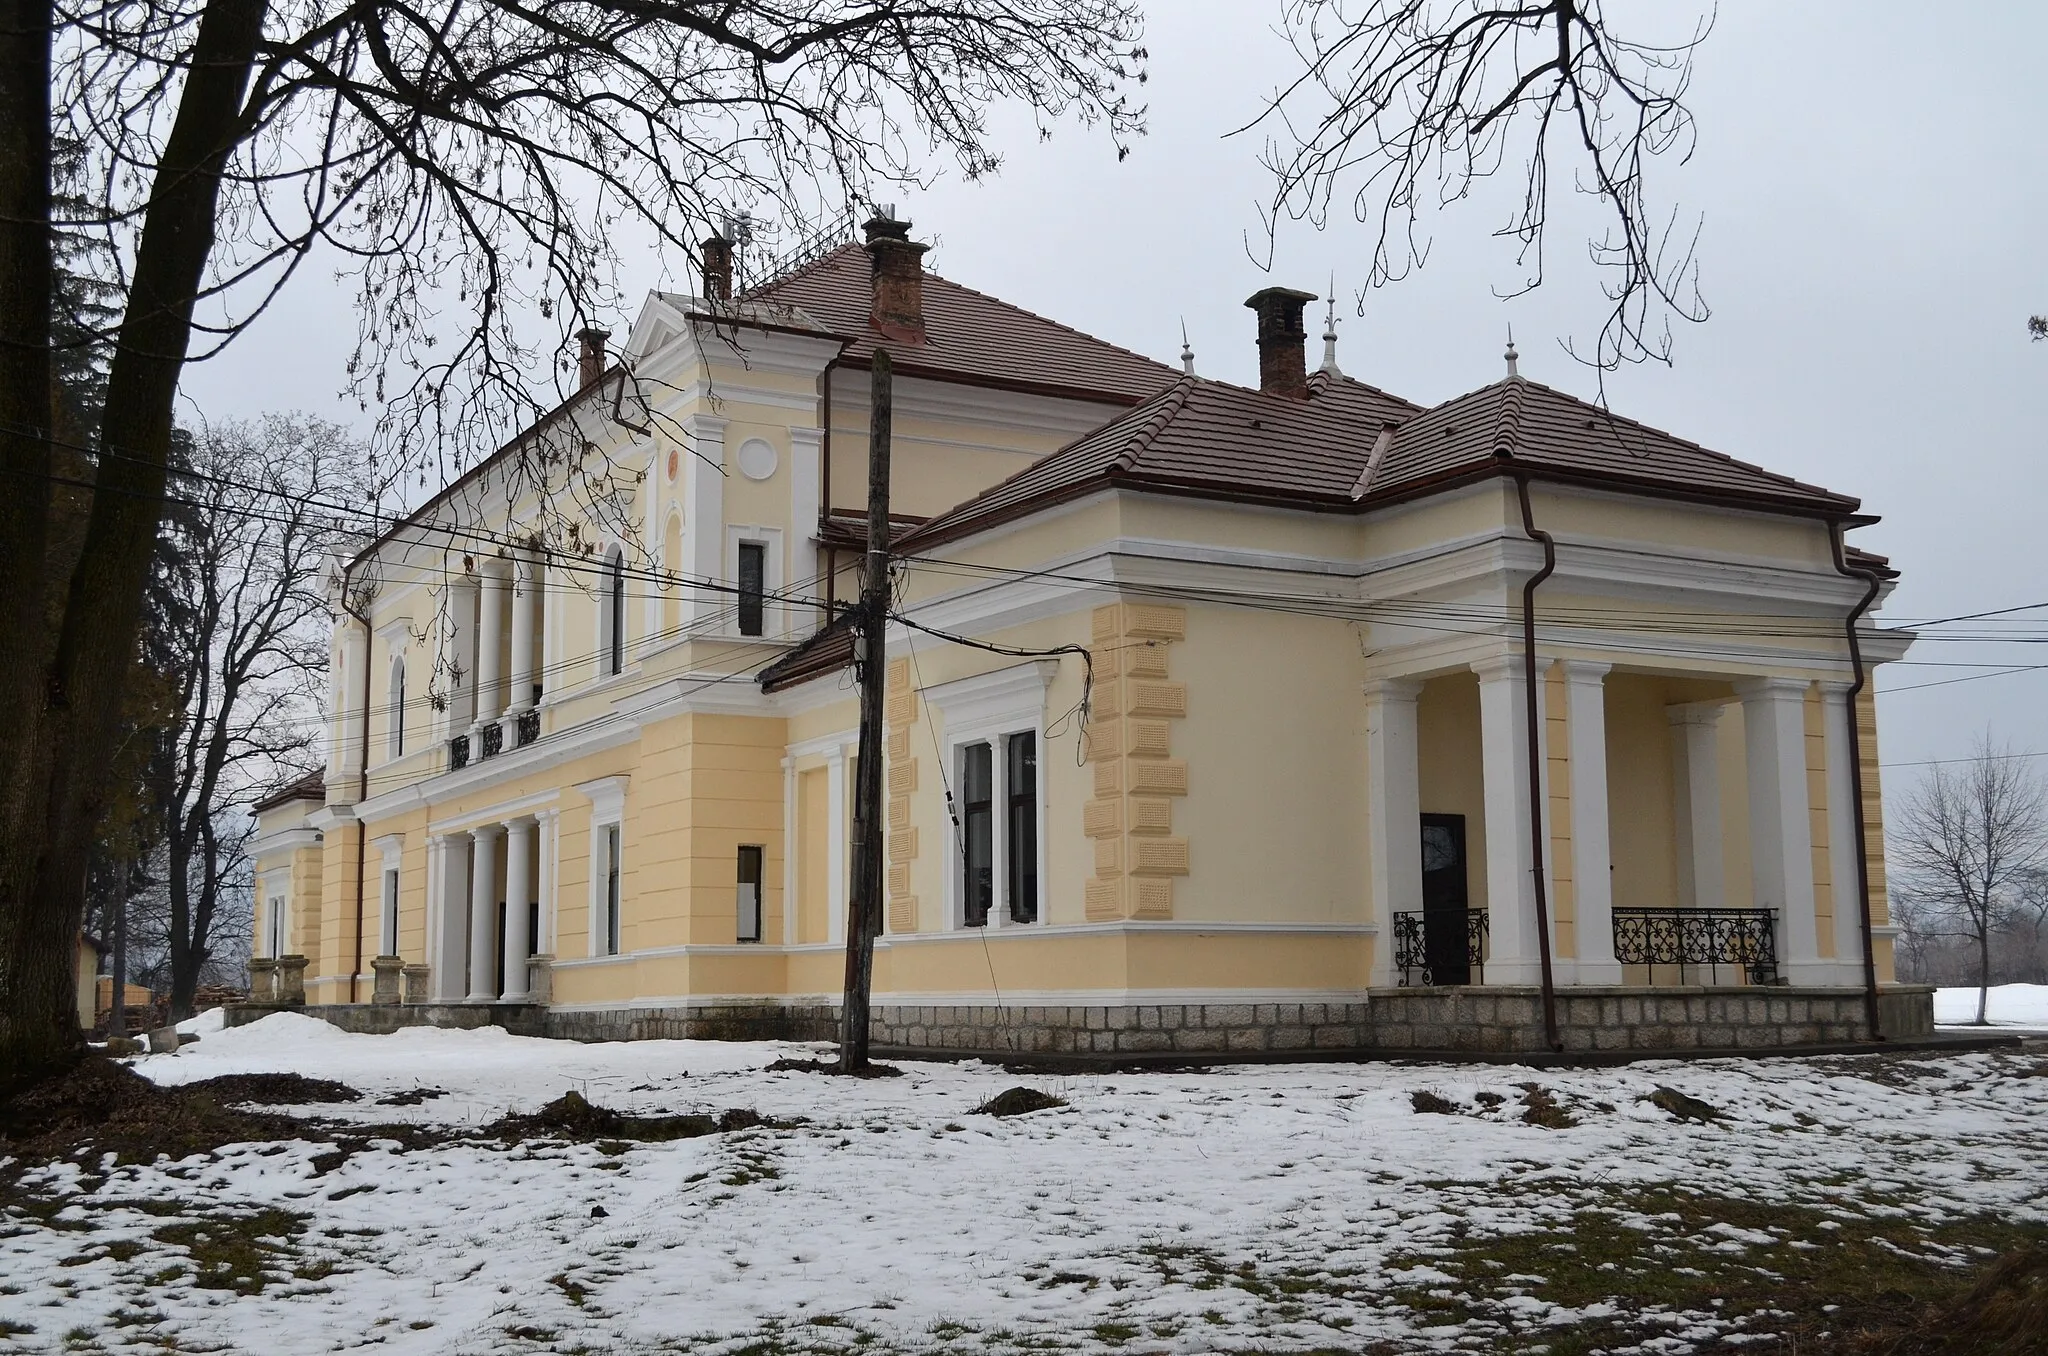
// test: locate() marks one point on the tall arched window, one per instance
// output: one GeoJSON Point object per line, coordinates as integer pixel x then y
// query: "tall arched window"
{"type": "Point", "coordinates": [615, 613]}
{"type": "Point", "coordinates": [397, 743]}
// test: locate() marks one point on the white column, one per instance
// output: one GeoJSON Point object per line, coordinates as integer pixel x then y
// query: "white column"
{"type": "Point", "coordinates": [1780, 821]}
{"type": "Point", "coordinates": [1393, 812]}
{"type": "Point", "coordinates": [806, 477]}
{"type": "Point", "coordinates": [703, 518]}
{"type": "Point", "coordinates": [454, 674]}
{"type": "Point", "coordinates": [483, 914]}
{"type": "Point", "coordinates": [353, 644]}
{"type": "Point", "coordinates": [1842, 812]}
{"type": "Point", "coordinates": [518, 899]}
{"type": "Point", "coordinates": [836, 801]}
{"type": "Point", "coordinates": [553, 583]}
{"type": "Point", "coordinates": [525, 613]}
{"type": "Point", "coordinates": [1513, 954]}
{"type": "Point", "coordinates": [490, 690]}
{"type": "Point", "coordinates": [1696, 792]}
{"type": "Point", "coordinates": [447, 916]}
{"type": "Point", "coordinates": [1592, 859]}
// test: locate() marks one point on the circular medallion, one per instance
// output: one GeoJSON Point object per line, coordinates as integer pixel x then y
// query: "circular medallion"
{"type": "Point", "coordinates": [672, 463]}
{"type": "Point", "coordinates": [757, 459]}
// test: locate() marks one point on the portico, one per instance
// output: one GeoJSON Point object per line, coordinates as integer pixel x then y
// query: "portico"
{"type": "Point", "coordinates": [486, 916]}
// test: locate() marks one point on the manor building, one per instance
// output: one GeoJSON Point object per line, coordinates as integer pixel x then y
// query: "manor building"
{"type": "Point", "coordinates": [1218, 718]}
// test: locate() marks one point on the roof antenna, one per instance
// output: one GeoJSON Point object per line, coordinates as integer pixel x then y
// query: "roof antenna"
{"type": "Point", "coordinates": [1511, 354]}
{"type": "Point", "coordinates": [1187, 350]}
{"type": "Point", "coordinates": [1330, 333]}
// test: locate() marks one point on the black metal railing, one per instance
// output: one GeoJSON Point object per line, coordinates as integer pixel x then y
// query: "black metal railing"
{"type": "Point", "coordinates": [528, 728]}
{"type": "Point", "coordinates": [1440, 946]}
{"type": "Point", "coordinates": [1744, 939]}
{"type": "Point", "coordinates": [458, 753]}
{"type": "Point", "coordinates": [494, 740]}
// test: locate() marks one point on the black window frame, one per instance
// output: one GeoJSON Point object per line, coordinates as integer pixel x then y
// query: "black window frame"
{"type": "Point", "coordinates": [615, 657]}
{"type": "Point", "coordinates": [614, 907]}
{"type": "Point", "coordinates": [977, 833]}
{"type": "Point", "coordinates": [1020, 864]}
{"type": "Point", "coordinates": [752, 861]}
{"type": "Point", "coordinates": [752, 593]}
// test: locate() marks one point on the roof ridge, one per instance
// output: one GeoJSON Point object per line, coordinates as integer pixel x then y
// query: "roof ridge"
{"type": "Point", "coordinates": [1507, 423]}
{"type": "Point", "coordinates": [804, 269]}
{"type": "Point", "coordinates": [1321, 378]}
{"type": "Point", "coordinates": [1046, 319]}
{"type": "Point", "coordinates": [1172, 401]}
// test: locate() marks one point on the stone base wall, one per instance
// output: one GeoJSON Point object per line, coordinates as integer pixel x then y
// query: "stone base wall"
{"type": "Point", "coordinates": [1504, 1019]}
{"type": "Point", "coordinates": [1481, 1021]}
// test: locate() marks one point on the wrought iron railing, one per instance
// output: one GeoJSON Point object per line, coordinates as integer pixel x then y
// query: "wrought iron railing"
{"type": "Point", "coordinates": [1746, 939]}
{"type": "Point", "coordinates": [528, 728]}
{"type": "Point", "coordinates": [458, 753]}
{"type": "Point", "coordinates": [493, 741]}
{"type": "Point", "coordinates": [1440, 946]}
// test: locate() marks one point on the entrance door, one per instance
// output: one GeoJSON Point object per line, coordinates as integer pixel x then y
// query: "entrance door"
{"type": "Point", "coordinates": [1444, 901]}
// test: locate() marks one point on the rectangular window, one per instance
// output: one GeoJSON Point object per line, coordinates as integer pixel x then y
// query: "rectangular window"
{"type": "Point", "coordinates": [387, 934]}
{"type": "Point", "coordinates": [748, 922]}
{"type": "Point", "coordinates": [977, 835]}
{"type": "Point", "coordinates": [615, 615]}
{"type": "Point", "coordinates": [753, 583]}
{"type": "Point", "coordinates": [274, 941]}
{"type": "Point", "coordinates": [610, 924]}
{"type": "Point", "coordinates": [1020, 841]}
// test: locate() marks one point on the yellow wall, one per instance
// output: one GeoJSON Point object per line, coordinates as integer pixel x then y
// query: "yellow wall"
{"type": "Point", "coordinates": [1452, 774]}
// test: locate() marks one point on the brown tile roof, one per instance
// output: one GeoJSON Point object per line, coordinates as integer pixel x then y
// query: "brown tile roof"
{"type": "Point", "coordinates": [312, 786]}
{"type": "Point", "coordinates": [826, 650]}
{"type": "Point", "coordinates": [1216, 440]}
{"type": "Point", "coordinates": [969, 336]}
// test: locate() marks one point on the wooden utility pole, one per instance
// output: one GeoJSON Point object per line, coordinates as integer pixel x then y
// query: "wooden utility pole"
{"type": "Point", "coordinates": [864, 911]}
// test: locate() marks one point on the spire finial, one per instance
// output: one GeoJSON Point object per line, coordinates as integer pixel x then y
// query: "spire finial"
{"type": "Point", "coordinates": [1330, 333]}
{"type": "Point", "coordinates": [1187, 350]}
{"type": "Point", "coordinates": [1511, 355]}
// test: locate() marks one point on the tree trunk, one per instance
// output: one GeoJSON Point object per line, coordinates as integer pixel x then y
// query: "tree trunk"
{"type": "Point", "coordinates": [1984, 972]}
{"type": "Point", "coordinates": [55, 746]}
{"type": "Point", "coordinates": [864, 909]}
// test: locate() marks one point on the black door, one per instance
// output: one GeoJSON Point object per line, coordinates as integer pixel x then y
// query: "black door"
{"type": "Point", "coordinates": [1444, 911]}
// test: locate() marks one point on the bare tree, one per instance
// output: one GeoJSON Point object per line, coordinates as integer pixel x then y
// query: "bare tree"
{"type": "Point", "coordinates": [476, 164]}
{"type": "Point", "coordinates": [1967, 841]}
{"type": "Point", "coordinates": [1406, 106]}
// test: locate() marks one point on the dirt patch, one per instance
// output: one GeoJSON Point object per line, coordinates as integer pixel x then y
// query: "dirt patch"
{"type": "Point", "coordinates": [102, 1106]}
{"type": "Point", "coordinates": [826, 1066]}
{"type": "Point", "coordinates": [1019, 1102]}
{"type": "Point", "coordinates": [574, 1117]}
{"type": "Point", "coordinates": [1428, 1103]}
{"type": "Point", "coordinates": [273, 1089]}
{"type": "Point", "coordinates": [412, 1097]}
{"type": "Point", "coordinates": [1540, 1107]}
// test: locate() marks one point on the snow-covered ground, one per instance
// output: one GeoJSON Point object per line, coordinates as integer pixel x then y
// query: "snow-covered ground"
{"type": "Point", "coordinates": [2021, 1005]}
{"type": "Point", "coordinates": [1156, 1212]}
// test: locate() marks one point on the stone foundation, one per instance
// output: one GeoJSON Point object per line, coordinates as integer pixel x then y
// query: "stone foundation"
{"type": "Point", "coordinates": [1497, 1020]}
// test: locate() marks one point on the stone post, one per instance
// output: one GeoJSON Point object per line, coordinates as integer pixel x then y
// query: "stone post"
{"type": "Point", "coordinates": [262, 979]}
{"type": "Point", "coordinates": [416, 990]}
{"type": "Point", "coordinates": [291, 981]}
{"type": "Point", "coordinates": [540, 970]}
{"type": "Point", "coordinates": [388, 971]}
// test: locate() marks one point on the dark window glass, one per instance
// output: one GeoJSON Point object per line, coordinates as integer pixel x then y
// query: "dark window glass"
{"type": "Point", "coordinates": [977, 830]}
{"type": "Point", "coordinates": [749, 921]}
{"type": "Point", "coordinates": [611, 890]}
{"type": "Point", "coordinates": [615, 660]}
{"type": "Point", "coordinates": [387, 935]}
{"type": "Point", "coordinates": [398, 709]}
{"type": "Point", "coordinates": [1020, 761]}
{"type": "Point", "coordinates": [753, 583]}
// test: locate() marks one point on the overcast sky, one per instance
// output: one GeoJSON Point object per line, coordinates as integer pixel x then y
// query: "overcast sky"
{"type": "Point", "coordinates": [1874, 202]}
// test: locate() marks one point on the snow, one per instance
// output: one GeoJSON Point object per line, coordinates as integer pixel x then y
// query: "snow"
{"type": "Point", "coordinates": [2010, 1005]}
{"type": "Point", "coordinates": [893, 1215]}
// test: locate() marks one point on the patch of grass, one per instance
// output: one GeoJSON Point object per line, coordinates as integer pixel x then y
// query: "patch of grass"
{"type": "Point", "coordinates": [1114, 1332]}
{"type": "Point", "coordinates": [1019, 1102]}
{"type": "Point", "coordinates": [1540, 1107]}
{"type": "Point", "coordinates": [571, 1290]}
{"type": "Point", "coordinates": [242, 1253]}
{"type": "Point", "coordinates": [1428, 1103]}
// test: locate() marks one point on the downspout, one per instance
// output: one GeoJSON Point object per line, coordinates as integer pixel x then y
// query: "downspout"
{"type": "Point", "coordinates": [1874, 582]}
{"type": "Point", "coordinates": [1535, 711]}
{"type": "Point", "coordinates": [362, 791]}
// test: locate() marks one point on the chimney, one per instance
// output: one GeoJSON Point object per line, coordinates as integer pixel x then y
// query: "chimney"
{"type": "Point", "coordinates": [590, 361]}
{"type": "Point", "coordinates": [717, 268]}
{"type": "Point", "coordinates": [897, 310]}
{"type": "Point", "coordinates": [1283, 352]}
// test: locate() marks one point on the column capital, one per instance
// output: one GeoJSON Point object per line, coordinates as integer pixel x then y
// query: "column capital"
{"type": "Point", "coordinates": [1767, 688]}
{"type": "Point", "coordinates": [1495, 668]}
{"type": "Point", "coordinates": [1586, 670]}
{"type": "Point", "coordinates": [1694, 713]}
{"type": "Point", "coordinates": [521, 822]}
{"type": "Point", "coordinates": [1392, 689]}
{"type": "Point", "coordinates": [485, 832]}
{"type": "Point", "coordinates": [1837, 689]}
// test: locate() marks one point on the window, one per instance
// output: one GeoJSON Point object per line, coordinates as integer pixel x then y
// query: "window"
{"type": "Point", "coordinates": [608, 932]}
{"type": "Point", "coordinates": [398, 708]}
{"type": "Point", "coordinates": [387, 932]}
{"type": "Point", "coordinates": [1020, 844]}
{"type": "Point", "coordinates": [977, 835]}
{"type": "Point", "coordinates": [273, 927]}
{"type": "Point", "coordinates": [748, 923]}
{"type": "Point", "coordinates": [753, 582]}
{"type": "Point", "coordinates": [615, 613]}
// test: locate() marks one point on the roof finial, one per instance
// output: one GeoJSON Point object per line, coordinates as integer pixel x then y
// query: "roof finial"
{"type": "Point", "coordinates": [1511, 354]}
{"type": "Point", "coordinates": [1330, 333]}
{"type": "Point", "coordinates": [1187, 350]}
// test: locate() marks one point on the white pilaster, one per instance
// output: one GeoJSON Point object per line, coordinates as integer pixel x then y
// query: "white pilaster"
{"type": "Point", "coordinates": [792, 849]}
{"type": "Point", "coordinates": [519, 898]}
{"type": "Point", "coordinates": [554, 584]}
{"type": "Point", "coordinates": [483, 914]}
{"type": "Point", "coordinates": [1513, 945]}
{"type": "Point", "coordinates": [1780, 824]}
{"type": "Point", "coordinates": [836, 801]}
{"type": "Point", "coordinates": [1696, 791]}
{"type": "Point", "coordinates": [352, 643]}
{"type": "Point", "coordinates": [1592, 860]}
{"type": "Point", "coordinates": [704, 519]}
{"type": "Point", "coordinates": [806, 475]}
{"type": "Point", "coordinates": [1842, 811]}
{"type": "Point", "coordinates": [447, 916]}
{"type": "Point", "coordinates": [455, 659]}
{"type": "Point", "coordinates": [548, 841]}
{"type": "Point", "coordinates": [1393, 811]}
{"type": "Point", "coordinates": [525, 615]}
{"type": "Point", "coordinates": [490, 688]}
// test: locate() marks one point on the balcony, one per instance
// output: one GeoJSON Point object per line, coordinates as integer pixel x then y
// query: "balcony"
{"type": "Point", "coordinates": [458, 753]}
{"type": "Point", "coordinates": [1440, 946]}
{"type": "Point", "coordinates": [493, 740]}
{"type": "Point", "coordinates": [1699, 943]}
{"type": "Point", "coordinates": [526, 729]}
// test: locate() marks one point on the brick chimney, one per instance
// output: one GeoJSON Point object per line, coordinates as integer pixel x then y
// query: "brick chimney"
{"type": "Point", "coordinates": [590, 361]}
{"type": "Point", "coordinates": [1283, 340]}
{"type": "Point", "coordinates": [717, 268]}
{"type": "Point", "coordinates": [897, 311]}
